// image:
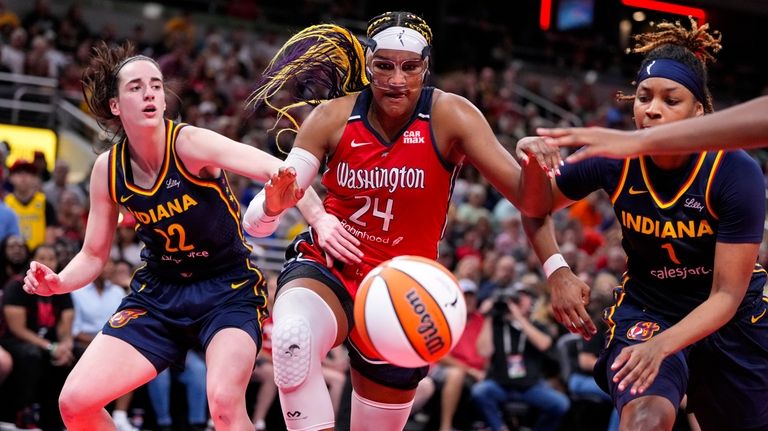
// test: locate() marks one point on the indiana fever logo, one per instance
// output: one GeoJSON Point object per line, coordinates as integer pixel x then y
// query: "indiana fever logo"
{"type": "Point", "coordinates": [122, 317]}
{"type": "Point", "coordinates": [642, 331]}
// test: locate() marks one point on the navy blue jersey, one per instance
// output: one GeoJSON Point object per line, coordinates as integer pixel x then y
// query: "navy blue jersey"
{"type": "Point", "coordinates": [190, 226]}
{"type": "Point", "coordinates": [671, 220]}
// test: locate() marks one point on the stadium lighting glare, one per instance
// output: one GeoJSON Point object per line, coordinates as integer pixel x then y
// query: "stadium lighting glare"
{"type": "Point", "coordinates": [676, 9]}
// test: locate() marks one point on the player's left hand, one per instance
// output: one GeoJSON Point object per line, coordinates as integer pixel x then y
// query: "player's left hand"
{"type": "Point", "coordinates": [570, 296]}
{"type": "Point", "coordinates": [536, 149]}
{"type": "Point", "coordinates": [638, 366]}
{"type": "Point", "coordinates": [281, 191]}
{"type": "Point", "coordinates": [336, 241]}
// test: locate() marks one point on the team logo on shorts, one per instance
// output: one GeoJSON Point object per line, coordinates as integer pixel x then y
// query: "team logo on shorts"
{"type": "Point", "coordinates": [122, 317]}
{"type": "Point", "coordinates": [642, 331]}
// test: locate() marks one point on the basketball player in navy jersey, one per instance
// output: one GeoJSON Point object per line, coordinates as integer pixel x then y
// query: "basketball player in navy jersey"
{"type": "Point", "coordinates": [393, 148]}
{"type": "Point", "coordinates": [197, 286]}
{"type": "Point", "coordinates": [741, 126]}
{"type": "Point", "coordinates": [689, 317]}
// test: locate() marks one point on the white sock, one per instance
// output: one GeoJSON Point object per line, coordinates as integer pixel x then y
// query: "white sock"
{"type": "Point", "coordinates": [369, 415]}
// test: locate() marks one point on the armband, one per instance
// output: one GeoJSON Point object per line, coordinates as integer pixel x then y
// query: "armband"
{"type": "Point", "coordinates": [305, 164]}
{"type": "Point", "coordinates": [553, 263]}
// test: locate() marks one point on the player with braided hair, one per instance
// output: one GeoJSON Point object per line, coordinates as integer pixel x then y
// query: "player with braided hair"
{"type": "Point", "coordinates": [393, 148]}
{"type": "Point", "coordinates": [689, 317]}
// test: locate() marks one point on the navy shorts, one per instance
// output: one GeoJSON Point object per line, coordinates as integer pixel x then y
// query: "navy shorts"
{"type": "Point", "coordinates": [725, 374]}
{"type": "Point", "coordinates": [376, 370]}
{"type": "Point", "coordinates": [629, 324]}
{"type": "Point", "coordinates": [728, 387]}
{"type": "Point", "coordinates": [164, 319]}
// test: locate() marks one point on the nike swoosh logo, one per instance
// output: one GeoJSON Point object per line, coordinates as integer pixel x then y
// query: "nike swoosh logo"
{"type": "Point", "coordinates": [143, 285]}
{"type": "Point", "coordinates": [632, 191]}
{"type": "Point", "coordinates": [238, 285]}
{"type": "Point", "coordinates": [358, 144]}
{"type": "Point", "coordinates": [124, 199]}
{"type": "Point", "coordinates": [759, 316]}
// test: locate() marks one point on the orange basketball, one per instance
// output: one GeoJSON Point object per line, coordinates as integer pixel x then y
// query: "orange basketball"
{"type": "Point", "coordinates": [410, 310]}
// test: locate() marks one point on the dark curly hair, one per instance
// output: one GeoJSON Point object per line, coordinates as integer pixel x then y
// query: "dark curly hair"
{"type": "Point", "coordinates": [695, 48]}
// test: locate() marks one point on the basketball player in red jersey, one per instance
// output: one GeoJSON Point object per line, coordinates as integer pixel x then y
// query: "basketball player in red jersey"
{"type": "Point", "coordinates": [393, 148]}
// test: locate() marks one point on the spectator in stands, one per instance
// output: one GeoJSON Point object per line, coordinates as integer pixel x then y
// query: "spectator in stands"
{"type": "Point", "coordinates": [38, 60]}
{"type": "Point", "coordinates": [127, 245]}
{"type": "Point", "coordinates": [41, 21]}
{"type": "Point", "coordinates": [94, 305]}
{"type": "Point", "coordinates": [39, 338]}
{"type": "Point", "coordinates": [517, 348]}
{"type": "Point", "coordinates": [14, 257]}
{"type": "Point", "coordinates": [71, 216]}
{"type": "Point", "coordinates": [41, 163]}
{"type": "Point", "coordinates": [73, 29]}
{"type": "Point", "coordinates": [54, 187]}
{"type": "Point", "coordinates": [37, 217]}
{"type": "Point", "coordinates": [9, 21]}
{"type": "Point", "coordinates": [193, 378]}
{"type": "Point", "coordinates": [463, 366]}
{"type": "Point", "coordinates": [9, 222]}
{"type": "Point", "coordinates": [13, 55]}
{"type": "Point", "coordinates": [473, 209]}
{"type": "Point", "coordinates": [503, 275]}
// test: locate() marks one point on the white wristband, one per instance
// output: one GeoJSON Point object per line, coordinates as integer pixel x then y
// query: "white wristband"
{"type": "Point", "coordinates": [256, 222]}
{"type": "Point", "coordinates": [555, 262]}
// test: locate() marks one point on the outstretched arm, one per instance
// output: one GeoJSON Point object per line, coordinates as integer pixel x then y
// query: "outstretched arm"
{"type": "Point", "coordinates": [741, 126]}
{"type": "Point", "coordinates": [202, 153]}
{"type": "Point", "coordinates": [89, 262]}
{"type": "Point", "coordinates": [570, 295]}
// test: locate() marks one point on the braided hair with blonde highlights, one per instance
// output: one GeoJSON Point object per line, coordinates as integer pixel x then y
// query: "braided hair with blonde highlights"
{"type": "Point", "coordinates": [328, 61]}
{"type": "Point", "coordinates": [695, 48]}
{"type": "Point", "coordinates": [399, 19]}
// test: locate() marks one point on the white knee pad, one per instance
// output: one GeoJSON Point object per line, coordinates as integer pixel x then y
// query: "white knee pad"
{"type": "Point", "coordinates": [304, 331]}
{"type": "Point", "coordinates": [370, 415]}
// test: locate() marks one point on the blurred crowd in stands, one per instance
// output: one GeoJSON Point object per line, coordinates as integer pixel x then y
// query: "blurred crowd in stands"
{"type": "Point", "coordinates": [514, 361]}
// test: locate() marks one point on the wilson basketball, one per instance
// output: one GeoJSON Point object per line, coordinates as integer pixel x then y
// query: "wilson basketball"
{"type": "Point", "coordinates": [410, 311]}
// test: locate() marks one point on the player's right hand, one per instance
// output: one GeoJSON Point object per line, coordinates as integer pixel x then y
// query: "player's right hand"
{"type": "Point", "coordinates": [41, 280]}
{"type": "Point", "coordinates": [570, 295]}
{"type": "Point", "coordinates": [281, 191]}
{"type": "Point", "coordinates": [337, 242]}
{"type": "Point", "coordinates": [596, 141]}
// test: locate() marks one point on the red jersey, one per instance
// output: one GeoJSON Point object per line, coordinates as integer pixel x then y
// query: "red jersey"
{"type": "Point", "coordinates": [392, 196]}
